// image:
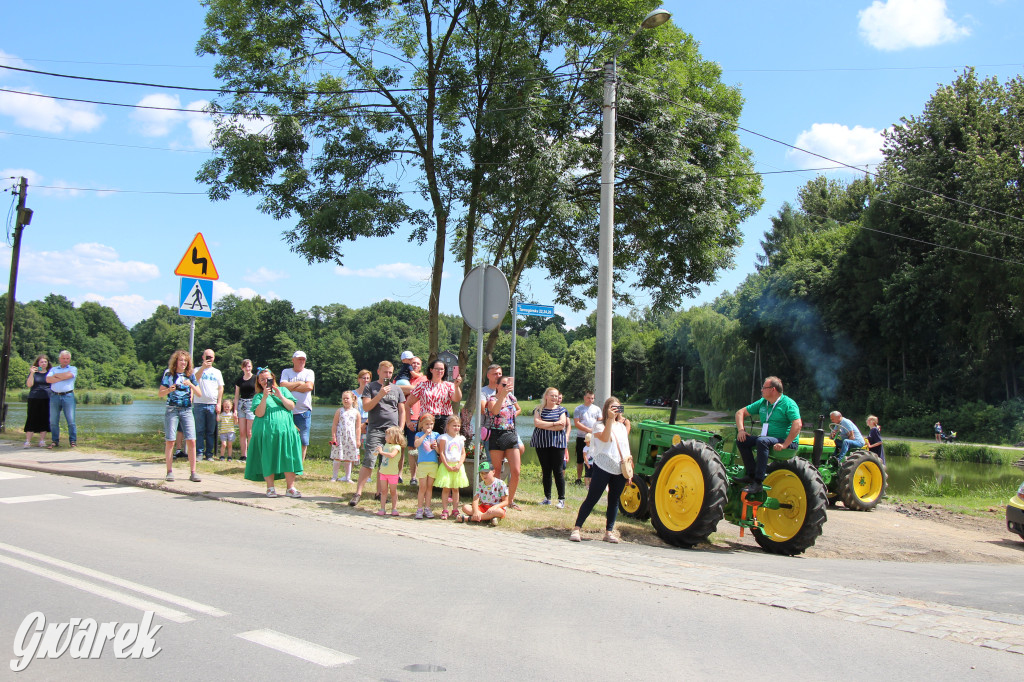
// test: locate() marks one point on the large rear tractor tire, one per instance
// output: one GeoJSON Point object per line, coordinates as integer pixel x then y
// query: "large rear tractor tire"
{"type": "Point", "coordinates": [635, 499]}
{"type": "Point", "coordinates": [689, 492]}
{"type": "Point", "coordinates": [862, 480]}
{"type": "Point", "coordinates": [794, 527]}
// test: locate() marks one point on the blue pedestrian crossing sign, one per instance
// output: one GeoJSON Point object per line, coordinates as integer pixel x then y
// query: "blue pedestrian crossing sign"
{"type": "Point", "coordinates": [196, 297]}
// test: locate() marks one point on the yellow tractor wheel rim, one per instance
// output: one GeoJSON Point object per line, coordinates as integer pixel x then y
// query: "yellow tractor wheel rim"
{"type": "Point", "coordinates": [867, 482]}
{"type": "Point", "coordinates": [782, 524]}
{"type": "Point", "coordinates": [630, 498]}
{"type": "Point", "coordinates": [680, 493]}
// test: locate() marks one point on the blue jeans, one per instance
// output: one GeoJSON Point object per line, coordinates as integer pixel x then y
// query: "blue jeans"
{"type": "Point", "coordinates": [206, 429]}
{"type": "Point", "coordinates": [63, 403]}
{"type": "Point", "coordinates": [600, 480]}
{"type": "Point", "coordinates": [848, 444]}
{"type": "Point", "coordinates": [759, 469]}
{"type": "Point", "coordinates": [303, 421]}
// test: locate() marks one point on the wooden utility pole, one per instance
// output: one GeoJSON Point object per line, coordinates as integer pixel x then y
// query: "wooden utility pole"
{"type": "Point", "coordinates": [23, 219]}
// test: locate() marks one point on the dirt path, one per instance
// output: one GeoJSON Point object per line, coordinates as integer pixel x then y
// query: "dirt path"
{"type": "Point", "coordinates": [889, 533]}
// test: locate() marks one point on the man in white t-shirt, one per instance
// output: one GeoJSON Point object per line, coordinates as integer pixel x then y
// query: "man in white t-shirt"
{"type": "Point", "coordinates": [206, 408]}
{"type": "Point", "coordinates": [299, 380]}
{"type": "Point", "coordinates": [585, 418]}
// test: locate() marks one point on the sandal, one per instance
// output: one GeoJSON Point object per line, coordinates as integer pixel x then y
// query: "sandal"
{"type": "Point", "coordinates": [51, 446]}
{"type": "Point", "coordinates": [444, 514]}
{"type": "Point", "coordinates": [515, 506]}
{"type": "Point", "coordinates": [381, 512]}
{"type": "Point", "coordinates": [461, 518]}
{"type": "Point", "coordinates": [394, 512]}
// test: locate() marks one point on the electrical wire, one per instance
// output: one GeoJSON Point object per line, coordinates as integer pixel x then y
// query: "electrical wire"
{"type": "Point", "coordinates": [347, 91]}
{"type": "Point", "coordinates": [116, 191]}
{"type": "Point", "coordinates": [107, 144]}
{"type": "Point", "coordinates": [820, 156]}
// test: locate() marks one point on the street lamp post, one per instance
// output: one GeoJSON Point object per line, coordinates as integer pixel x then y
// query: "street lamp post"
{"type": "Point", "coordinates": [603, 365]}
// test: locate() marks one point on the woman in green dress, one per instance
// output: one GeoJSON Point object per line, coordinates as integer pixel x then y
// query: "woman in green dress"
{"type": "Point", "coordinates": [275, 449]}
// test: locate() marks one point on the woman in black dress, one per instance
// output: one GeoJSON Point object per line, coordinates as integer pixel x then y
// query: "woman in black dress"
{"type": "Point", "coordinates": [38, 418]}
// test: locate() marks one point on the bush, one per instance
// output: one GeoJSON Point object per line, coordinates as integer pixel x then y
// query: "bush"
{"type": "Point", "coordinates": [897, 449]}
{"type": "Point", "coordinates": [957, 452]}
{"type": "Point", "coordinates": [946, 487]}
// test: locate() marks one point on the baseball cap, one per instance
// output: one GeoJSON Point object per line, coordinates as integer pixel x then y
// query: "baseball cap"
{"type": "Point", "coordinates": [298, 354]}
{"type": "Point", "coordinates": [485, 466]}
{"type": "Point", "coordinates": [407, 355]}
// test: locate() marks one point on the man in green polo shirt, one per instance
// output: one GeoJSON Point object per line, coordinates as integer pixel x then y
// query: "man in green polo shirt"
{"type": "Point", "coordinates": [780, 427]}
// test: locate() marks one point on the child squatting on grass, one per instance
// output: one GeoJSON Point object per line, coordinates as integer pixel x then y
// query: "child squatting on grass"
{"type": "Point", "coordinates": [451, 474]}
{"type": "Point", "coordinates": [227, 423]}
{"type": "Point", "coordinates": [491, 499]}
{"type": "Point", "coordinates": [426, 451]}
{"type": "Point", "coordinates": [394, 442]}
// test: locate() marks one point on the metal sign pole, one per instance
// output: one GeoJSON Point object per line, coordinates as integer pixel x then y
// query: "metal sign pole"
{"type": "Point", "coordinates": [191, 336]}
{"type": "Point", "coordinates": [512, 364]}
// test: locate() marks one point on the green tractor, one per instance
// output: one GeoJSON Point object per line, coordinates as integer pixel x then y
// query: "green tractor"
{"type": "Point", "coordinates": [686, 482]}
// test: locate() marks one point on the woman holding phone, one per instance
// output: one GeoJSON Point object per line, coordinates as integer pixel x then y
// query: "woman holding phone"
{"type": "Point", "coordinates": [38, 418]}
{"type": "Point", "coordinates": [275, 449]}
{"type": "Point", "coordinates": [504, 443]}
{"type": "Point", "coordinates": [436, 395]}
{"type": "Point", "coordinates": [608, 447]}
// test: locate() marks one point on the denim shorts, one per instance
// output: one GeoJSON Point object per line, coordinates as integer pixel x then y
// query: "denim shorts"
{"type": "Point", "coordinates": [303, 421]}
{"type": "Point", "coordinates": [175, 416]}
{"type": "Point", "coordinates": [245, 409]}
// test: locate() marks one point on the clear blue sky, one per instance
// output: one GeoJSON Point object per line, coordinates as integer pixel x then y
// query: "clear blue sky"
{"type": "Point", "coordinates": [824, 75]}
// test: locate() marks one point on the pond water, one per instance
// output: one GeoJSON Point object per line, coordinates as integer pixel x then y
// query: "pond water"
{"type": "Point", "coordinates": [147, 415]}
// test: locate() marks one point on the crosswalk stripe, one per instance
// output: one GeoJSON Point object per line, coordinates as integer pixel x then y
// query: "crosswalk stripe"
{"type": "Point", "coordinates": [183, 602]}
{"type": "Point", "coordinates": [10, 475]}
{"type": "Point", "coordinates": [33, 498]}
{"type": "Point", "coordinates": [300, 648]}
{"type": "Point", "coordinates": [109, 491]}
{"type": "Point", "coordinates": [100, 591]}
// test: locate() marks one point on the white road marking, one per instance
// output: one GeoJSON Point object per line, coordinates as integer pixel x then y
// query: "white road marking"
{"type": "Point", "coordinates": [7, 476]}
{"type": "Point", "coordinates": [33, 498]}
{"type": "Point", "coordinates": [300, 648]}
{"type": "Point", "coordinates": [100, 591]}
{"type": "Point", "coordinates": [114, 580]}
{"type": "Point", "coordinates": [120, 490]}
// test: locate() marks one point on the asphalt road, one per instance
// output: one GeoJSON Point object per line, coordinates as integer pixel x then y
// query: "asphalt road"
{"type": "Point", "coordinates": [373, 605]}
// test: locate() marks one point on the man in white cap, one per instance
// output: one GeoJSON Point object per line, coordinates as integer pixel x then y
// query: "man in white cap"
{"type": "Point", "coordinates": [299, 380]}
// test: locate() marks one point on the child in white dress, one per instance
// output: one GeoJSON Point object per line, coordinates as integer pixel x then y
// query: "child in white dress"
{"type": "Point", "coordinates": [347, 437]}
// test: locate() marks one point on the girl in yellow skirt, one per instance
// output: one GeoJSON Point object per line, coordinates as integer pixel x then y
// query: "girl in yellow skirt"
{"type": "Point", "coordinates": [451, 472]}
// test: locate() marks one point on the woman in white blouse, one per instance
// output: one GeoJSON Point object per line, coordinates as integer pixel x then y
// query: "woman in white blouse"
{"type": "Point", "coordinates": [608, 447]}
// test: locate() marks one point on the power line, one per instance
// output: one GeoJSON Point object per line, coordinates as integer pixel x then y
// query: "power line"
{"type": "Point", "coordinates": [820, 156]}
{"type": "Point", "coordinates": [347, 91]}
{"type": "Point", "coordinates": [108, 144]}
{"type": "Point", "coordinates": [940, 246]}
{"type": "Point", "coordinates": [117, 191]}
{"type": "Point", "coordinates": [872, 68]}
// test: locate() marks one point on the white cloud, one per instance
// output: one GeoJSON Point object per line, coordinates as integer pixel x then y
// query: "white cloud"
{"type": "Point", "coordinates": [47, 114]}
{"type": "Point", "coordinates": [10, 60]}
{"type": "Point", "coordinates": [222, 289]}
{"type": "Point", "coordinates": [899, 24]}
{"type": "Point", "coordinates": [161, 122]}
{"type": "Point", "coordinates": [262, 274]}
{"type": "Point", "coordinates": [131, 308]}
{"type": "Point", "coordinates": [87, 265]}
{"type": "Point", "coordinates": [857, 146]}
{"type": "Point", "coordinates": [408, 271]}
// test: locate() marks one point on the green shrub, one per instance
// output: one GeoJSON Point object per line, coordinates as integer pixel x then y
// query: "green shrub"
{"type": "Point", "coordinates": [897, 448]}
{"type": "Point", "coordinates": [958, 452]}
{"type": "Point", "coordinates": [946, 487]}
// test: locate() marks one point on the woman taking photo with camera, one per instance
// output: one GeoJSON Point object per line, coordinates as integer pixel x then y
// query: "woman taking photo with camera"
{"type": "Point", "coordinates": [275, 449]}
{"type": "Point", "coordinates": [608, 447]}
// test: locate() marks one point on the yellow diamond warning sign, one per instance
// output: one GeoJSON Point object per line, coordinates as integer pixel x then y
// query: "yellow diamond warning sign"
{"type": "Point", "coordinates": [197, 261]}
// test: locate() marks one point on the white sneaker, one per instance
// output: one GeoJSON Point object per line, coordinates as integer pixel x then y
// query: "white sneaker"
{"type": "Point", "coordinates": [335, 479]}
{"type": "Point", "coordinates": [561, 504]}
{"type": "Point", "coordinates": [292, 492]}
{"type": "Point", "coordinates": [545, 501]}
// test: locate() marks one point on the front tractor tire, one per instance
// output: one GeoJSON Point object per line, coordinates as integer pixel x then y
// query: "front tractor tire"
{"type": "Point", "coordinates": [688, 494]}
{"type": "Point", "coordinates": [794, 527]}
{"type": "Point", "coordinates": [634, 501]}
{"type": "Point", "coordinates": [862, 480]}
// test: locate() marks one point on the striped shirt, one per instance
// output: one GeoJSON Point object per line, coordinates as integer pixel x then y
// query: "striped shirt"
{"type": "Point", "coordinates": [435, 397]}
{"type": "Point", "coordinates": [544, 438]}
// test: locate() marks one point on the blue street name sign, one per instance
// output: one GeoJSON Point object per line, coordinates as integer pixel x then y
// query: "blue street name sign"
{"type": "Point", "coordinates": [535, 310]}
{"type": "Point", "coordinates": [196, 297]}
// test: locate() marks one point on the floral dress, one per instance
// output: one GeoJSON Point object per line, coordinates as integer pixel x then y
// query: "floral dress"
{"type": "Point", "coordinates": [346, 449]}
